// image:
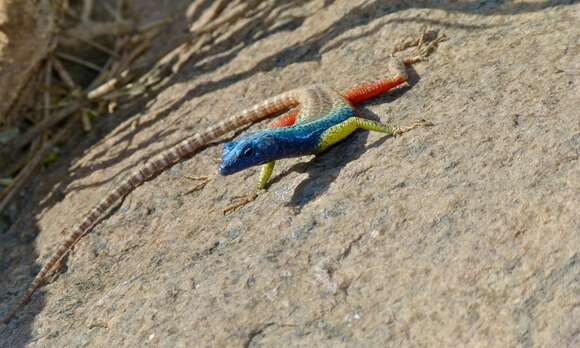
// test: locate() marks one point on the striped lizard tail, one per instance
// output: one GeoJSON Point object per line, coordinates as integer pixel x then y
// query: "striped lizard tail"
{"type": "Point", "coordinates": [148, 171]}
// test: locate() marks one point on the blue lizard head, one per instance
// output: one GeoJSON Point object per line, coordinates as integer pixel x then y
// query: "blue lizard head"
{"type": "Point", "coordinates": [253, 150]}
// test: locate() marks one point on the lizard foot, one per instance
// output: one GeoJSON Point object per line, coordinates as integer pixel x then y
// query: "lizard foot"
{"type": "Point", "coordinates": [201, 182]}
{"type": "Point", "coordinates": [424, 44]}
{"type": "Point", "coordinates": [240, 201]}
{"type": "Point", "coordinates": [422, 123]}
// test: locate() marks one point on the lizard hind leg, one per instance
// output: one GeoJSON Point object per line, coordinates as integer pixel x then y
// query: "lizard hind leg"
{"type": "Point", "coordinates": [424, 44]}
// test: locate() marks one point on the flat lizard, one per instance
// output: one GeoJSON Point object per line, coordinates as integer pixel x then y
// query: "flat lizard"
{"type": "Point", "coordinates": [318, 118]}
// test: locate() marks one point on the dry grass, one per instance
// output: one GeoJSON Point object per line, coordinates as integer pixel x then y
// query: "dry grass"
{"type": "Point", "coordinates": [62, 94]}
{"type": "Point", "coordinates": [73, 86]}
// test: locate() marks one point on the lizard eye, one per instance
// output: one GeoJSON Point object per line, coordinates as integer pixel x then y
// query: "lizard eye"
{"type": "Point", "coordinates": [249, 152]}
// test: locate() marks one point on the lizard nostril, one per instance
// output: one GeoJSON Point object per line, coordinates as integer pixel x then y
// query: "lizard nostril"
{"type": "Point", "coordinates": [222, 170]}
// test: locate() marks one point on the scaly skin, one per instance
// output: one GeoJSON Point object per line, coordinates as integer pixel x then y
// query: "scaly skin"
{"type": "Point", "coordinates": [317, 113]}
{"type": "Point", "coordinates": [325, 118]}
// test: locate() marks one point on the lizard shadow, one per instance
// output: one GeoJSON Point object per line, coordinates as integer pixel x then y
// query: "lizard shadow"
{"type": "Point", "coordinates": [323, 169]}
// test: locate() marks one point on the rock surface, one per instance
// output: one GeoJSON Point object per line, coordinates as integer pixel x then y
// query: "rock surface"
{"type": "Point", "coordinates": [463, 234]}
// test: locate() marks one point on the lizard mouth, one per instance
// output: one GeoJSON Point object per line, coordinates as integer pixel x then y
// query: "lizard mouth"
{"type": "Point", "coordinates": [225, 170]}
{"type": "Point", "coordinates": [228, 168]}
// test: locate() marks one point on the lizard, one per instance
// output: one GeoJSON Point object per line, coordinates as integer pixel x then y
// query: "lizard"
{"type": "Point", "coordinates": [316, 117]}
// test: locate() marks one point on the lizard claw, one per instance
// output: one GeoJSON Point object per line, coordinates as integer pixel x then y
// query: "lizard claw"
{"type": "Point", "coordinates": [240, 201]}
{"type": "Point", "coordinates": [424, 44]}
{"type": "Point", "coordinates": [424, 123]}
{"type": "Point", "coordinates": [421, 123]}
{"type": "Point", "coordinates": [202, 181]}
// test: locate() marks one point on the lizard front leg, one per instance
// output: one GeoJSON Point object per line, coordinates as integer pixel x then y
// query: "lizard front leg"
{"type": "Point", "coordinates": [240, 201]}
{"type": "Point", "coordinates": [342, 130]}
{"type": "Point", "coordinates": [286, 120]}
